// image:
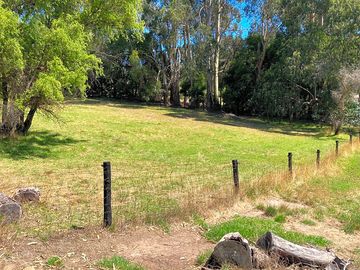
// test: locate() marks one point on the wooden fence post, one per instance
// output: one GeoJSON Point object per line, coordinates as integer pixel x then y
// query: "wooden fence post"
{"type": "Point", "coordinates": [290, 165]}
{"type": "Point", "coordinates": [318, 159]}
{"type": "Point", "coordinates": [107, 194]}
{"type": "Point", "coordinates": [337, 148]}
{"type": "Point", "coordinates": [235, 165]}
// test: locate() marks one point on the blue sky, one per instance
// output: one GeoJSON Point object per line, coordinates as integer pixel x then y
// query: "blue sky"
{"type": "Point", "coordinates": [245, 26]}
{"type": "Point", "coordinates": [245, 23]}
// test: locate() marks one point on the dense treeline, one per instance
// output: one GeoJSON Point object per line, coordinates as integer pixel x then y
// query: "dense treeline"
{"type": "Point", "coordinates": [299, 61]}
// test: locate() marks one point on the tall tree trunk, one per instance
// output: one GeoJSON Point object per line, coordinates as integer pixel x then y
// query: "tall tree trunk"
{"type": "Point", "coordinates": [216, 100]}
{"type": "Point", "coordinates": [29, 120]}
{"type": "Point", "coordinates": [5, 97]}
{"type": "Point", "coordinates": [260, 62]}
{"type": "Point", "coordinates": [210, 81]}
{"type": "Point", "coordinates": [166, 89]}
{"type": "Point", "coordinates": [175, 94]}
{"type": "Point", "coordinates": [175, 76]}
{"type": "Point", "coordinates": [164, 63]}
{"type": "Point", "coordinates": [209, 87]}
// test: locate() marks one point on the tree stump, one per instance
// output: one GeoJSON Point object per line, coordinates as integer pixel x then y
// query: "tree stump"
{"type": "Point", "coordinates": [231, 249]}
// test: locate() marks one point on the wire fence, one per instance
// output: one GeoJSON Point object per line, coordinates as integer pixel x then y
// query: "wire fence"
{"type": "Point", "coordinates": [157, 193]}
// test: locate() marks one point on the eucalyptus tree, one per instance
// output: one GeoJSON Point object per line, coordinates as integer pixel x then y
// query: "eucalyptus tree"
{"type": "Point", "coordinates": [48, 48]}
{"type": "Point", "coordinates": [219, 19]}
{"type": "Point", "coordinates": [168, 24]}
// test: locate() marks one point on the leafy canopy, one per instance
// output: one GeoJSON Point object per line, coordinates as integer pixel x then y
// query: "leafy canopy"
{"type": "Point", "coordinates": [47, 48]}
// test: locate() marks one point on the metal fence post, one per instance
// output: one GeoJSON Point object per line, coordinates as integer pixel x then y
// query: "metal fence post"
{"type": "Point", "coordinates": [337, 148]}
{"type": "Point", "coordinates": [318, 159]}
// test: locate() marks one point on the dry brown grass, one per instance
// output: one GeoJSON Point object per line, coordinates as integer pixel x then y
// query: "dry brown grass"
{"type": "Point", "coordinates": [296, 186]}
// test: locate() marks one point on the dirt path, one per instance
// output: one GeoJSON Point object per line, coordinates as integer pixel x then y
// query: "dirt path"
{"type": "Point", "coordinates": [342, 243]}
{"type": "Point", "coordinates": [150, 247]}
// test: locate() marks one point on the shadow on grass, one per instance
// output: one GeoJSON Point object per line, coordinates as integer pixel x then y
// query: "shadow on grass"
{"type": "Point", "coordinates": [111, 103]}
{"type": "Point", "coordinates": [294, 129]}
{"type": "Point", "coordinates": [35, 145]}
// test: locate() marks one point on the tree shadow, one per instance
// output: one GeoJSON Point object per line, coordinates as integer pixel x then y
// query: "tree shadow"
{"type": "Point", "coordinates": [293, 129]}
{"type": "Point", "coordinates": [111, 103]}
{"type": "Point", "coordinates": [38, 144]}
{"type": "Point", "coordinates": [281, 127]}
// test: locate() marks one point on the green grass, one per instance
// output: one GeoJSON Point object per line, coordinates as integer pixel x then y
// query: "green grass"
{"type": "Point", "coordinates": [308, 222]}
{"type": "Point", "coordinates": [279, 213]}
{"type": "Point", "coordinates": [271, 211]}
{"type": "Point", "coordinates": [118, 263]}
{"type": "Point", "coordinates": [200, 221]}
{"type": "Point", "coordinates": [203, 257]}
{"type": "Point", "coordinates": [340, 194]}
{"type": "Point", "coordinates": [163, 161]}
{"type": "Point", "coordinates": [55, 262]}
{"type": "Point", "coordinates": [281, 218]}
{"type": "Point", "coordinates": [253, 228]}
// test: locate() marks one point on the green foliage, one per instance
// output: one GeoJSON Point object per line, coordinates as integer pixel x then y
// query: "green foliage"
{"type": "Point", "coordinates": [352, 114]}
{"type": "Point", "coordinates": [195, 89]}
{"type": "Point", "coordinates": [47, 50]}
{"type": "Point", "coordinates": [302, 64]}
{"type": "Point", "coordinates": [55, 261]}
{"type": "Point", "coordinates": [11, 57]}
{"type": "Point", "coordinates": [118, 263]}
{"type": "Point", "coordinates": [253, 228]}
{"type": "Point", "coordinates": [147, 86]}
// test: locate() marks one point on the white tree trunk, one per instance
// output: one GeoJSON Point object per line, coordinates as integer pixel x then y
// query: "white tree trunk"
{"type": "Point", "coordinates": [217, 55]}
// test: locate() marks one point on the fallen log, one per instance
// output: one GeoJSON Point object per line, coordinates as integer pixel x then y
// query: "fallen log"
{"type": "Point", "coordinates": [290, 253]}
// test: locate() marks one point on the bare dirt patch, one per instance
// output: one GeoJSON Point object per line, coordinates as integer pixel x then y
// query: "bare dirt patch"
{"type": "Point", "coordinates": [342, 243]}
{"type": "Point", "coordinates": [150, 247]}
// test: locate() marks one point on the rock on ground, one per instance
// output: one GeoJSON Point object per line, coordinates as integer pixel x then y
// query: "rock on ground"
{"type": "Point", "coordinates": [29, 194]}
{"type": "Point", "coordinates": [10, 210]}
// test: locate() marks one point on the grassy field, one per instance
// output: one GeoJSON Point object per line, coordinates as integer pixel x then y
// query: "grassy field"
{"type": "Point", "coordinates": [166, 163]}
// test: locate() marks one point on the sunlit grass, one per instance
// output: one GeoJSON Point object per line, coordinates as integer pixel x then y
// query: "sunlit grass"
{"type": "Point", "coordinates": [253, 228]}
{"type": "Point", "coordinates": [118, 263]}
{"type": "Point", "coordinates": [166, 163]}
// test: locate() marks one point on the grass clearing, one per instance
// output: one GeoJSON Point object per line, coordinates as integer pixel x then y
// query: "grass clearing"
{"type": "Point", "coordinates": [118, 263]}
{"type": "Point", "coordinates": [253, 228]}
{"type": "Point", "coordinates": [166, 163]}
